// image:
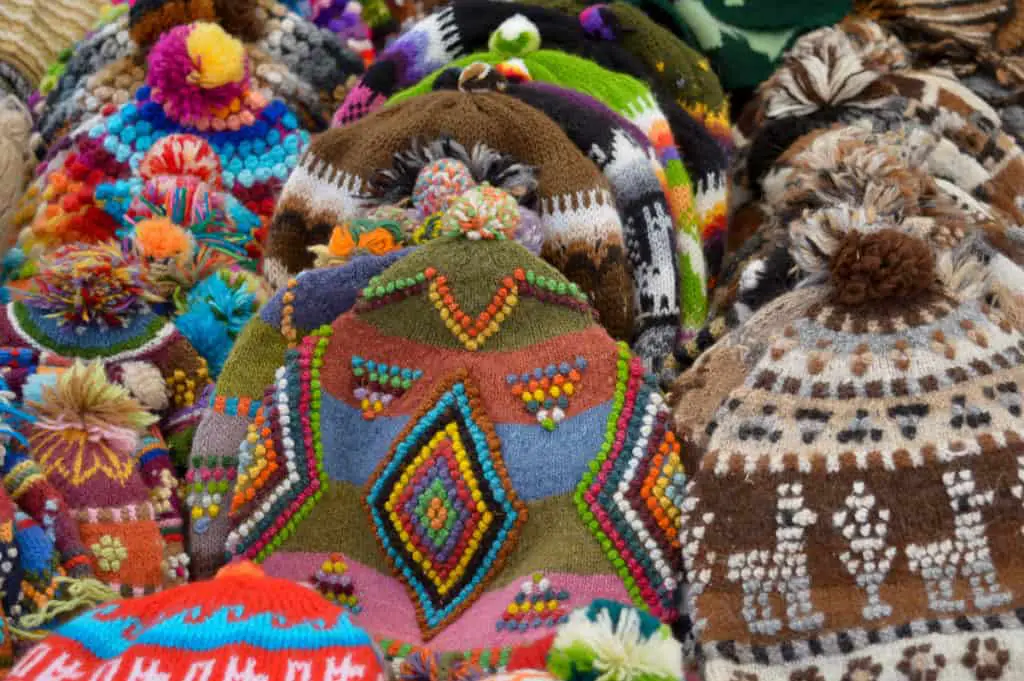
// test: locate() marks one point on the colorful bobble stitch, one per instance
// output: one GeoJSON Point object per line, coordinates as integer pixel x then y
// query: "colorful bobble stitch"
{"type": "Point", "coordinates": [546, 392]}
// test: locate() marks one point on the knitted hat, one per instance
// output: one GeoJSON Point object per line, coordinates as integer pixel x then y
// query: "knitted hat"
{"type": "Point", "coordinates": [33, 34]}
{"type": "Point", "coordinates": [297, 62]}
{"type": "Point", "coordinates": [620, 39]}
{"type": "Point", "coordinates": [583, 230]}
{"type": "Point", "coordinates": [312, 299]}
{"type": "Point", "coordinates": [744, 43]}
{"type": "Point", "coordinates": [91, 441]}
{"type": "Point", "coordinates": [180, 183]}
{"type": "Point", "coordinates": [675, 67]}
{"type": "Point", "coordinates": [514, 48]}
{"type": "Point", "coordinates": [869, 421]}
{"type": "Point", "coordinates": [847, 171]}
{"type": "Point", "coordinates": [239, 624]}
{"type": "Point", "coordinates": [473, 358]}
{"type": "Point", "coordinates": [663, 288]}
{"type": "Point", "coordinates": [197, 83]}
{"type": "Point", "coordinates": [113, 323]}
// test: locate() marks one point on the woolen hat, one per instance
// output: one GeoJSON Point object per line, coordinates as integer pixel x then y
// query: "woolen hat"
{"type": "Point", "coordinates": [870, 421]}
{"type": "Point", "coordinates": [422, 421]}
{"type": "Point", "coordinates": [240, 623]}
{"type": "Point", "coordinates": [314, 298]}
{"type": "Point", "coordinates": [93, 442]}
{"type": "Point", "coordinates": [692, 157]}
{"type": "Point", "coordinates": [582, 227]}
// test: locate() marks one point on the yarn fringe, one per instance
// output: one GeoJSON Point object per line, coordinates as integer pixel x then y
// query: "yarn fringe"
{"type": "Point", "coordinates": [82, 594]}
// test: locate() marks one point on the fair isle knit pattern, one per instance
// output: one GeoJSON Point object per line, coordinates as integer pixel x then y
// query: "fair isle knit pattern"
{"type": "Point", "coordinates": [239, 625]}
{"type": "Point", "coordinates": [583, 231]}
{"type": "Point", "coordinates": [421, 424]}
{"type": "Point", "coordinates": [870, 420]}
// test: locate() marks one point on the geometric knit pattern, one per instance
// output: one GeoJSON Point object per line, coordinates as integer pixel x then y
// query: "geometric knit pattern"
{"type": "Point", "coordinates": [443, 507]}
{"type": "Point", "coordinates": [879, 456]}
{"type": "Point", "coordinates": [638, 523]}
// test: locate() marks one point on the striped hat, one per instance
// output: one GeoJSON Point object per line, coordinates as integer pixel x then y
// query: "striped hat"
{"type": "Point", "coordinates": [239, 625]}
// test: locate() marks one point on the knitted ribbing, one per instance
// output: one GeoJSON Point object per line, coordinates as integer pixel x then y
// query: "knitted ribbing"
{"type": "Point", "coordinates": [318, 297]}
{"type": "Point", "coordinates": [583, 232]}
{"type": "Point", "coordinates": [629, 162]}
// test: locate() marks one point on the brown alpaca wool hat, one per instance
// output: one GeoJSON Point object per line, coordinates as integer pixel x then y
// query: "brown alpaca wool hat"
{"type": "Point", "coordinates": [583, 230]}
{"type": "Point", "coordinates": [871, 423]}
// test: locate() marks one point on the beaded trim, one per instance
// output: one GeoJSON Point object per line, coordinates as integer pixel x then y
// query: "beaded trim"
{"type": "Point", "coordinates": [489, 659]}
{"type": "Point", "coordinates": [629, 497]}
{"type": "Point", "coordinates": [285, 500]}
{"type": "Point", "coordinates": [288, 313]}
{"type": "Point", "coordinates": [473, 331]}
{"type": "Point", "coordinates": [444, 509]}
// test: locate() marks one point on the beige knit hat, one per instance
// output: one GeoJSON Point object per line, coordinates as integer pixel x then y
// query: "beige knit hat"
{"type": "Point", "coordinates": [583, 231]}
{"type": "Point", "coordinates": [33, 33]}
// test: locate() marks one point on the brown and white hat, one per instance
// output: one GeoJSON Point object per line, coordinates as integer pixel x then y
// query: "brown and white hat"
{"type": "Point", "coordinates": [870, 421]}
{"type": "Point", "coordinates": [582, 228]}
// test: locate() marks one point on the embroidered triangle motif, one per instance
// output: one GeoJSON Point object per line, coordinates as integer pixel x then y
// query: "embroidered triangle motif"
{"type": "Point", "coordinates": [547, 392]}
{"type": "Point", "coordinates": [473, 331]}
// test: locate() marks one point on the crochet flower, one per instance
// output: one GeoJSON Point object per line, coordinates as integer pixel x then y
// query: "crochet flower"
{"type": "Point", "coordinates": [378, 241]}
{"type": "Point", "coordinates": [110, 553]}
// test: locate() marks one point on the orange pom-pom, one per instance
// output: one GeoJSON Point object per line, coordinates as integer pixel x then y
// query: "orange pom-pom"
{"type": "Point", "coordinates": [160, 238]}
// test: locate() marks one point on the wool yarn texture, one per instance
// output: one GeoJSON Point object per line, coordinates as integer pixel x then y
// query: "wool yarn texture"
{"type": "Point", "coordinates": [583, 230]}
{"type": "Point", "coordinates": [869, 421]}
{"type": "Point", "coordinates": [33, 35]}
{"type": "Point", "coordinates": [630, 163]}
{"type": "Point", "coordinates": [93, 442]}
{"type": "Point", "coordinates": [114, 324]}
{"type": "Point", "coordinates": [258, 142]}
{"type": "Point", "coordinates": [239, 623]}
{"type": "Point", "coordinates": [422, 424]}
{"type": "Point", "coordinates": [297, 62]}
{"type": "Point", "coordinates": [314, 298]}
{"type": "Point", "coordinates": [15, 127]}
{"type": "Point", "coordinates": [700, 204]}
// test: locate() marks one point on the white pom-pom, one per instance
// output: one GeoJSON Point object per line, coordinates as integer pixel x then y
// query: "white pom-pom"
{"type": "Point", "coordinates": [145, 382]}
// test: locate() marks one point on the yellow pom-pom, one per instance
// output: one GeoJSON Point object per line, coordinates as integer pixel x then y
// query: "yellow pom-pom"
{"type": "Point", "coordinates": [219, 58]}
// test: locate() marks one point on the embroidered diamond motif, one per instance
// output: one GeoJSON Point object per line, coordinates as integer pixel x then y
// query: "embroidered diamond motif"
{"type": "Point", "coordinates": [630, 495]}
{"type": "Point", "coordinates": [442, 505]}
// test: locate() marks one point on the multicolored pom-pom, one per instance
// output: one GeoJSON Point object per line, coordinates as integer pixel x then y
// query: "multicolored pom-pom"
{"type": "Point", "coordinates": [439, 184]}
{"type": "Point", "coordinates": [182, 155]}
{"type": "Point", "coordinates": [483, 212]}
{"type": "Point", "coordinates": [90, 285]}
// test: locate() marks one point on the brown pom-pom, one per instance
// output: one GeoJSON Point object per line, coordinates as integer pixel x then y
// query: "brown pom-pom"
{"type": "Point", "coordinates": [148, 20]}
{"type": "Point", "coordinates": [887, 264]}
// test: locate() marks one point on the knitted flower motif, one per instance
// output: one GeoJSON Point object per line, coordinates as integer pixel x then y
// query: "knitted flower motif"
{"type": "Point", "coordinates": [110, 553]}
{"type": "Point", "coordinates": [483, 212]}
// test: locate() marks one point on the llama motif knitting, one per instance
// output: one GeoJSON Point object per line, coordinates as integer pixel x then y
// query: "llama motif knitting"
{"type": "Point", "coordinates": [870, 421]}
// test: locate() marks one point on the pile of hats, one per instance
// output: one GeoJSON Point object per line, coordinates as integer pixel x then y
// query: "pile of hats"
{"type": "Point", "coordinates": [857, 385]}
